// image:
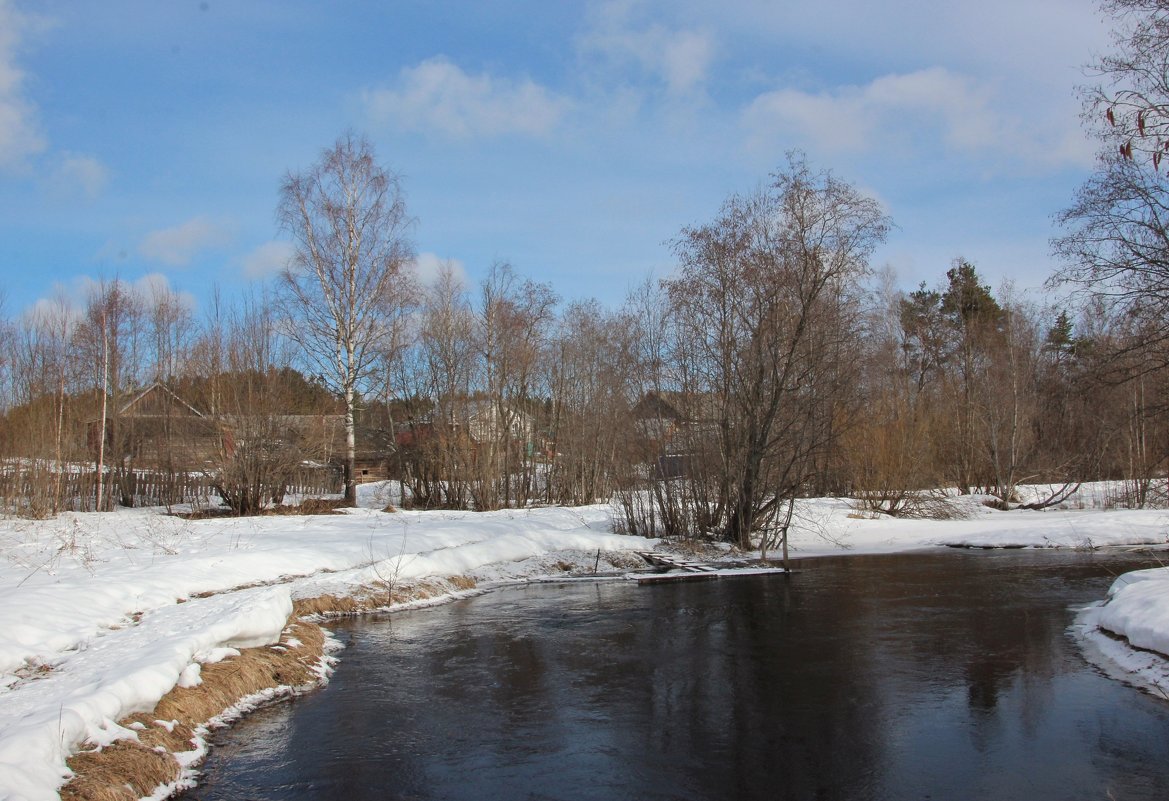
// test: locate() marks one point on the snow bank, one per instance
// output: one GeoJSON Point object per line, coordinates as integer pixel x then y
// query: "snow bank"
{"type": "Point", "coordinates": [120, 673]}
{"type": "Point", "coordinates": [1138, 609]}
{"type": "Point", "coordinates": [103, 614]}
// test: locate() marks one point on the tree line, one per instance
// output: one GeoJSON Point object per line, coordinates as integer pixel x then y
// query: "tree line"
{"type": "Point", "coordinates": [773, 364]}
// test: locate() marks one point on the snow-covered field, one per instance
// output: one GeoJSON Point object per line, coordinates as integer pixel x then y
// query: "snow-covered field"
{"type": "Point", "coordinates": [101, 615]}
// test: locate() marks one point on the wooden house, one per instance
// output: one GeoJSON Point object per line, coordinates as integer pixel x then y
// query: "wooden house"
{"type": "Point", "coordinates": [157, 429]}
{"type": "Point", "coordinates": [675, 428]}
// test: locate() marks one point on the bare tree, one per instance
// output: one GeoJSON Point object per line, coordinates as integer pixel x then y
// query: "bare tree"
{"type": "Point", "coordinates": [262, 433]}
{"type": "Point", "coordinates": [1129, 108]}
{"type": "Point", "coordinates": [889, 446]}
{"type": "Point", "coordinates": [514, 318]}
{"type": "Point", "coordinates": [434, 383]}
{"type": "Point", "coordinates": [348, 220]}
{"type": "Point", "coordinates": [43, 372]}
{"type": "Point", "coordinates": [1008, 418]}
{"type": "Point", "coordinates": [765, 304]}
{"type": "Point", "coordinates": [1115, 242]}
{"type": "Point", "coordinates": [171, 325]}
{"type": "Point", "coordinates": [111, 338]}
{"type": "Point", "coordinates": [590, 426]}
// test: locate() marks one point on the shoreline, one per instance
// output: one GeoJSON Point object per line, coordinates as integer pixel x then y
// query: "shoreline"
{"type": "Point", "coordinates": [172, 740]}
{"type": "Point", "coordinates": [169, 742]}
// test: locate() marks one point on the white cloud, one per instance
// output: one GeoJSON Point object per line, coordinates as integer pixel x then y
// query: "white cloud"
{"type": "Point", "coordinates": [177, 246]}
{"type": "Point", "coordinates": [892, 107]}
{"type": "Point", "coordinates": [428, 266]}
{"type": "Point", "coordinates": [684, 57]}
{"type": "Point", "coordinates": [155, 286]}
{"type": "Point", "coordinates": [53, 313]}
{"type": "Point", "coordinates": [439, 96]}
{"type": "Point", "coordinates": [679, 58]}
{"type": "Point", "coordinates": [267, 260]}
{"type": "Point", "coordinates": [78, 174]}
{"type": "Point", "coordinates": [20, 135]}
{"type": "Point", "coordinates": [68, 299]}
{"type": "Point", "coordinates": [903, 111]}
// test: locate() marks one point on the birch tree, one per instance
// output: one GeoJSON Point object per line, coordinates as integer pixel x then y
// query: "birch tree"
{"type": "Point", "coordinates": [347, 218]}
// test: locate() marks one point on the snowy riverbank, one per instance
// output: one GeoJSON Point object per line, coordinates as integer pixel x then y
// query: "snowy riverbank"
{"type": "Point", "coordinates": [101, 615]}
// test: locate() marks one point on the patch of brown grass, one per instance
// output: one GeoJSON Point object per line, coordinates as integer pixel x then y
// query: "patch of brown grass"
{"type": "Point", "coordinates": [311, 506]}
{"type": "Point", "coordinates": [623, 560]}
{"type": "Point", "coordinates": [208, 513]}
{"type": "Point", "coordinates": [124, 771]}
{"type": "Point", "coordinates": [171, 735]}
{"type": "Point", "coordinates": [131, 769]}
{"type": "Point", "coordinates": [324, 605]}
{"type": "Point", "coordinates": [462, 582]}
{"type": "Point", "coordinates": [379, 596]}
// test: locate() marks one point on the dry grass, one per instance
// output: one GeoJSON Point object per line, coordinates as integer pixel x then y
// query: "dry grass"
{"type": "Point", "coordinates": [131, 769]}
{"type": "Point", "coordinates": [462, 582]}
{"type": "Point", "coordinates": [379, 596]}
{"type": "Point", "coordinates": [324, 605]}
{"type": "Point", "coordinates": [309, 506]}
{"type": "Point", "coordinates": [124, 771]}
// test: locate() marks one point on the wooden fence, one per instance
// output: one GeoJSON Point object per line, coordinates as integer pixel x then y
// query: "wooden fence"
{"type": "Point", "coordinates": [38, 489]}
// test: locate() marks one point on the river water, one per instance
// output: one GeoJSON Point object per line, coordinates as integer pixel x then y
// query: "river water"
{"type": "Point", "coordinates": [939, 675]}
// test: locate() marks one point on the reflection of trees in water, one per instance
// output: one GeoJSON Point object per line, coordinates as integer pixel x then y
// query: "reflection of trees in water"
{"type": "Point", "coordinates": [748, 676]}
{"type": "Point", "coordinates": [961, 612]}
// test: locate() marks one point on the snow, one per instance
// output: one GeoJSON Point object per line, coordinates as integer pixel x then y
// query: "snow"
{"type": "Point", "coordinates": [102, 614]}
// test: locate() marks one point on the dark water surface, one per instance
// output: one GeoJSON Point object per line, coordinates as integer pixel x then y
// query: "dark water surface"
{"type": "Point", "coordinates": [918, 676]}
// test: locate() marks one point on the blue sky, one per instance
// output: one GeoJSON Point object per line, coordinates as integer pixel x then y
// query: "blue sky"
{"type": "Point", "coordinates": [146, 140]}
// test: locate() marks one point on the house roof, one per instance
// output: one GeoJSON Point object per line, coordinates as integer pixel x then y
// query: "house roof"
{"type": "Point", "coordinates": [159, 387]}
{"type": "Point", "coordinates": [677, 407]}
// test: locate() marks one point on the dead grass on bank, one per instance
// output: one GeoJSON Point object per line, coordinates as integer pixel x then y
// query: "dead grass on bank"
{"type": "Point", "coordinates": [128, 770]}
{"type": "Point", "coordinates": [379, 596]}
{"type": "Point", "coordinates": [309, 506]}
{"type": "Point", "coordinates": [124, 771]}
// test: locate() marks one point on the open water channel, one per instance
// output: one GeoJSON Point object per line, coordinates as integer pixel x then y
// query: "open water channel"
{"type": "Point", "coordinates": [937, 675]}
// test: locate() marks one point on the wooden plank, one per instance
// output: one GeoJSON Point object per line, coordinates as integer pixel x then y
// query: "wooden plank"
{"type": "Point", "coordinates": [662, 578]}
{"type": "Point", "coordinates": [676, 562]}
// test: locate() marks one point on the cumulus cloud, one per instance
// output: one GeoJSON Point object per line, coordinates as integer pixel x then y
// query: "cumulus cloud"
{"type": "Point", "coordinates": [679, 58]}
{"type": "Point", "coordinates": [439, 96]}
{"type": "Point", "coordinates": [267, 260]}
{"type": "Point", "coordinates": [177, 246]}
{"type": "Point", "coordinates": [55, 313]}
{"type": "Point", "coordinates": [20, 135]}
{"type": "Point", "coordinates": [78, 174]}
{"type": "Point", "coordinates": [68, 299]}
{"type": "Point", "coordinates": [428, 267]}
{"type": "Point", "coordinates": [900, 111]}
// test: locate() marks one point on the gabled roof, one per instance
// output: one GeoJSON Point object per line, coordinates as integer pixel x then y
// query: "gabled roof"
{"type": "Point", "coordinates": [158, 386]}
{"type": "Point", "coordinates": [677, 407]}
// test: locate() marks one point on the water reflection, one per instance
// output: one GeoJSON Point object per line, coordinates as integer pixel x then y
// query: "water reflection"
{"type": "Point", "coordinates": [928, 675]}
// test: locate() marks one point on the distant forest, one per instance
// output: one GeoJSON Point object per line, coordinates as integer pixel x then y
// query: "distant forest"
{"type": "Point", "coordinates": [753, 375]}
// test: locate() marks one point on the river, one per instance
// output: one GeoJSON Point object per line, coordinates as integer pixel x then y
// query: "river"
{"type": "Point", "coordinates": [936, 675]}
